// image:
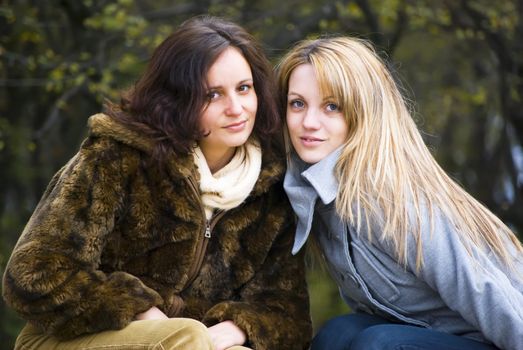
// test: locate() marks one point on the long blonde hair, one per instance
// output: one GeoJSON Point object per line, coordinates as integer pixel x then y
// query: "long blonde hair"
{"type": "Point", "coordinates": [385, 165]}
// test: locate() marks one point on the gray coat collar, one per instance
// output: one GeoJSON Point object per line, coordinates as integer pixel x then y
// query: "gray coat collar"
{"type": "Point", "coordinates": [304, 184]}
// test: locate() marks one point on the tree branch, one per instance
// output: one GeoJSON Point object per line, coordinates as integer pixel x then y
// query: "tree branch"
{"type": "Point", "coordinates": [54, 115]}
{"type": "Point", "coordinates": [401, 24]}
{"type": "Point", "coordinates": [372, 21]}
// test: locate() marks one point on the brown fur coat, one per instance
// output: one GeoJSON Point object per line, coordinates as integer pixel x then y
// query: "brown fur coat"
{"type": "Point", "coordinates": [112, 236]}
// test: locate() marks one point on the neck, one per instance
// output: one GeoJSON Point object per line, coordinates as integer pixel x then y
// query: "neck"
{"type": "Point", "coordinates": [217, 159]}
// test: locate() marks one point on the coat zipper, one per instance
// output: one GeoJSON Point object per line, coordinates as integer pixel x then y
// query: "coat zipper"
{"type": "Point", "coordinates": [202, 243]}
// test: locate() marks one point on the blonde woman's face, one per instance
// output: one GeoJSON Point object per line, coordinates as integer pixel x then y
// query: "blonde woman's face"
{"type": "Point", "coordinates": [316, 124]}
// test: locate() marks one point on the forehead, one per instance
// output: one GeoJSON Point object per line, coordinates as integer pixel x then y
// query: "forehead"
{"type": "Point", "coordinates": [229, 66]}
{"type": "Point", "coordinates": [303, 79]}
{"type": "Point", "coordinates": [307, 79]}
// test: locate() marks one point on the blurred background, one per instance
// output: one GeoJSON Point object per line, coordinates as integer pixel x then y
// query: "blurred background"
{"type": "Point", "coordinates": [460, 62]}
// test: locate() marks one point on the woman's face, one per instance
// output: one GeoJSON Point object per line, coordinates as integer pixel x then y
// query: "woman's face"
{"type": "Point", "coordinates": [228, 119]}
{"type": "Point", "coordinates": [316, 124]}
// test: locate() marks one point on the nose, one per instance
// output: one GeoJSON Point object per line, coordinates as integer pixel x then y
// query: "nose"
{"type": "Point", "coordinates": [311, 120]}
{"type": "Point", "coordinates": [234, 106]}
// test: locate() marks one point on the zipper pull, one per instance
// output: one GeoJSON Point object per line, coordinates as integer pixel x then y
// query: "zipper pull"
{"type": "Point", "coordinates": [207, 230]}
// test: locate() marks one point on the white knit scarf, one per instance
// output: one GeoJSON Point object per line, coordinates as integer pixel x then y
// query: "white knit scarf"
{"type": "Point", "coordinates": [231, 185]}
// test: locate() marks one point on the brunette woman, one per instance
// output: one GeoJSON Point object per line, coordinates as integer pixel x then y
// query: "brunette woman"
{"type": "Point", "coordinates": [170, 228]}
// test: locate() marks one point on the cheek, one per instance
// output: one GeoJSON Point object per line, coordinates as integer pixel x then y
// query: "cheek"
{"type": "Point", "coordinates": [342, 131]}
{"type": "Point", "coordinates": [292, 118]}
{"type": "Point", "coordinates": [252, 107]}
{"type": "Point", "coordinates": [292, 124]}
{"type": "Point", "coordinates": [206, 119]}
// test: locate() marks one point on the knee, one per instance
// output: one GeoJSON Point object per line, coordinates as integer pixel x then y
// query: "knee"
{"type": "Point", "coordinates": [374, 338]}
{"type": "Point", "coordinates": [336, 325]}
{"type": "Point", "coordinates": [332, 326]}
{"type": "Point", "coordinates": [334, 334]}
{"type": "Point", "coordinates": [339, 332]}
{"type": "Point", "coordinates": [190, 334]}
{"type": "Point", "coordinates": [192, 326]}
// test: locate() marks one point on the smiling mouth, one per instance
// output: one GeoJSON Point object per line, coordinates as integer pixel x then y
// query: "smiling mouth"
{"type": "Point", "coordinates": [235, 125]}
{"type": "Point", "coordinates": [310, 139]}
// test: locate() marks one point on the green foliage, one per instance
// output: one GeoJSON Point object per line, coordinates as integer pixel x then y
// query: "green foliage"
{"type": "Point", "coordinates": [460, 61]}
{"type": "Point", "coordinates": [325, 299]}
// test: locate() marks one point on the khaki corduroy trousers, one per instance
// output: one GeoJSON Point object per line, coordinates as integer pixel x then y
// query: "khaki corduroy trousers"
{"type": "Point", "coordinates": [169, 334]}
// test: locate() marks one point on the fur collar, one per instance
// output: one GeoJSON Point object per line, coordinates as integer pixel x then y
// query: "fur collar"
{"type": "Point", "coordinates": [102, 125]}
{"type": "Point", "coordinates": [180, 166]}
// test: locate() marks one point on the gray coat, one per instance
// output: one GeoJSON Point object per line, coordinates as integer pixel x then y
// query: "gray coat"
{"type": "Point", "coordinates": [448, 294]}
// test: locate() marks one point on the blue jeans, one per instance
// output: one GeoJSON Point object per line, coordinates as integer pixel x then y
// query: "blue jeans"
{"type": "Point", "coordinates": [366, 332]}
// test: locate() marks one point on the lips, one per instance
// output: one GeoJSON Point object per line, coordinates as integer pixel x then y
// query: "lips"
{"type": "Point", "coordinates": [235, 125]}
{"type": "Point", "coordinates": [310, 139]}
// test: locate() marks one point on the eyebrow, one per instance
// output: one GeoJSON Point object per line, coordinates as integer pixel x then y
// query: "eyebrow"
{"type": "Point", "coordinates": [324, 100]}
{"type": "Point", "coordinates": [239, 83]}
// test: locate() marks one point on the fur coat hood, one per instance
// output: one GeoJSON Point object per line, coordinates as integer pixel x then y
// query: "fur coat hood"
{"type": "Point", "coordinates": [114, 235]}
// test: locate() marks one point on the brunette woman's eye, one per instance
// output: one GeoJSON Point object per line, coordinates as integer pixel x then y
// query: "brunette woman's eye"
{"type": "Point", "coordinates": [244, 88]}
{"type": "Point", "coordinates": [211, 95]}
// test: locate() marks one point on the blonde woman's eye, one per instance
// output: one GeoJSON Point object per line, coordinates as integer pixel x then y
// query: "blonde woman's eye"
{"type": "Point", "coordinates": [332, 107]}
{"type": "Point", "coordinates": [296, 104]}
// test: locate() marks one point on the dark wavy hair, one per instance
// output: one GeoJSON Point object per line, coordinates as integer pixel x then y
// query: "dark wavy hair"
{"type": "Point", "coordinates": [167, 101]}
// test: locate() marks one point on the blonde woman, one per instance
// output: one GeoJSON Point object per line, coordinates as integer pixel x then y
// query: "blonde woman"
{"type": "Point", "coordinates": [421, 263]}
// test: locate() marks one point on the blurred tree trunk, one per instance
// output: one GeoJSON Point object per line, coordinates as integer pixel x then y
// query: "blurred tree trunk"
{"type": "Point", "coordinates": [506, 47]}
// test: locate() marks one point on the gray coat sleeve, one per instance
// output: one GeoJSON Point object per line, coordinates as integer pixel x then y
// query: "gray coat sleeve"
{"type": "Point", "coordinates": [486, 294]}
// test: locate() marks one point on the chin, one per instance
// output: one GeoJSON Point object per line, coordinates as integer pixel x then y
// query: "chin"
{"type": "Point", "coordinates": [309, 157]}
{"type": "Point", "coordinates": [237, 142]}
